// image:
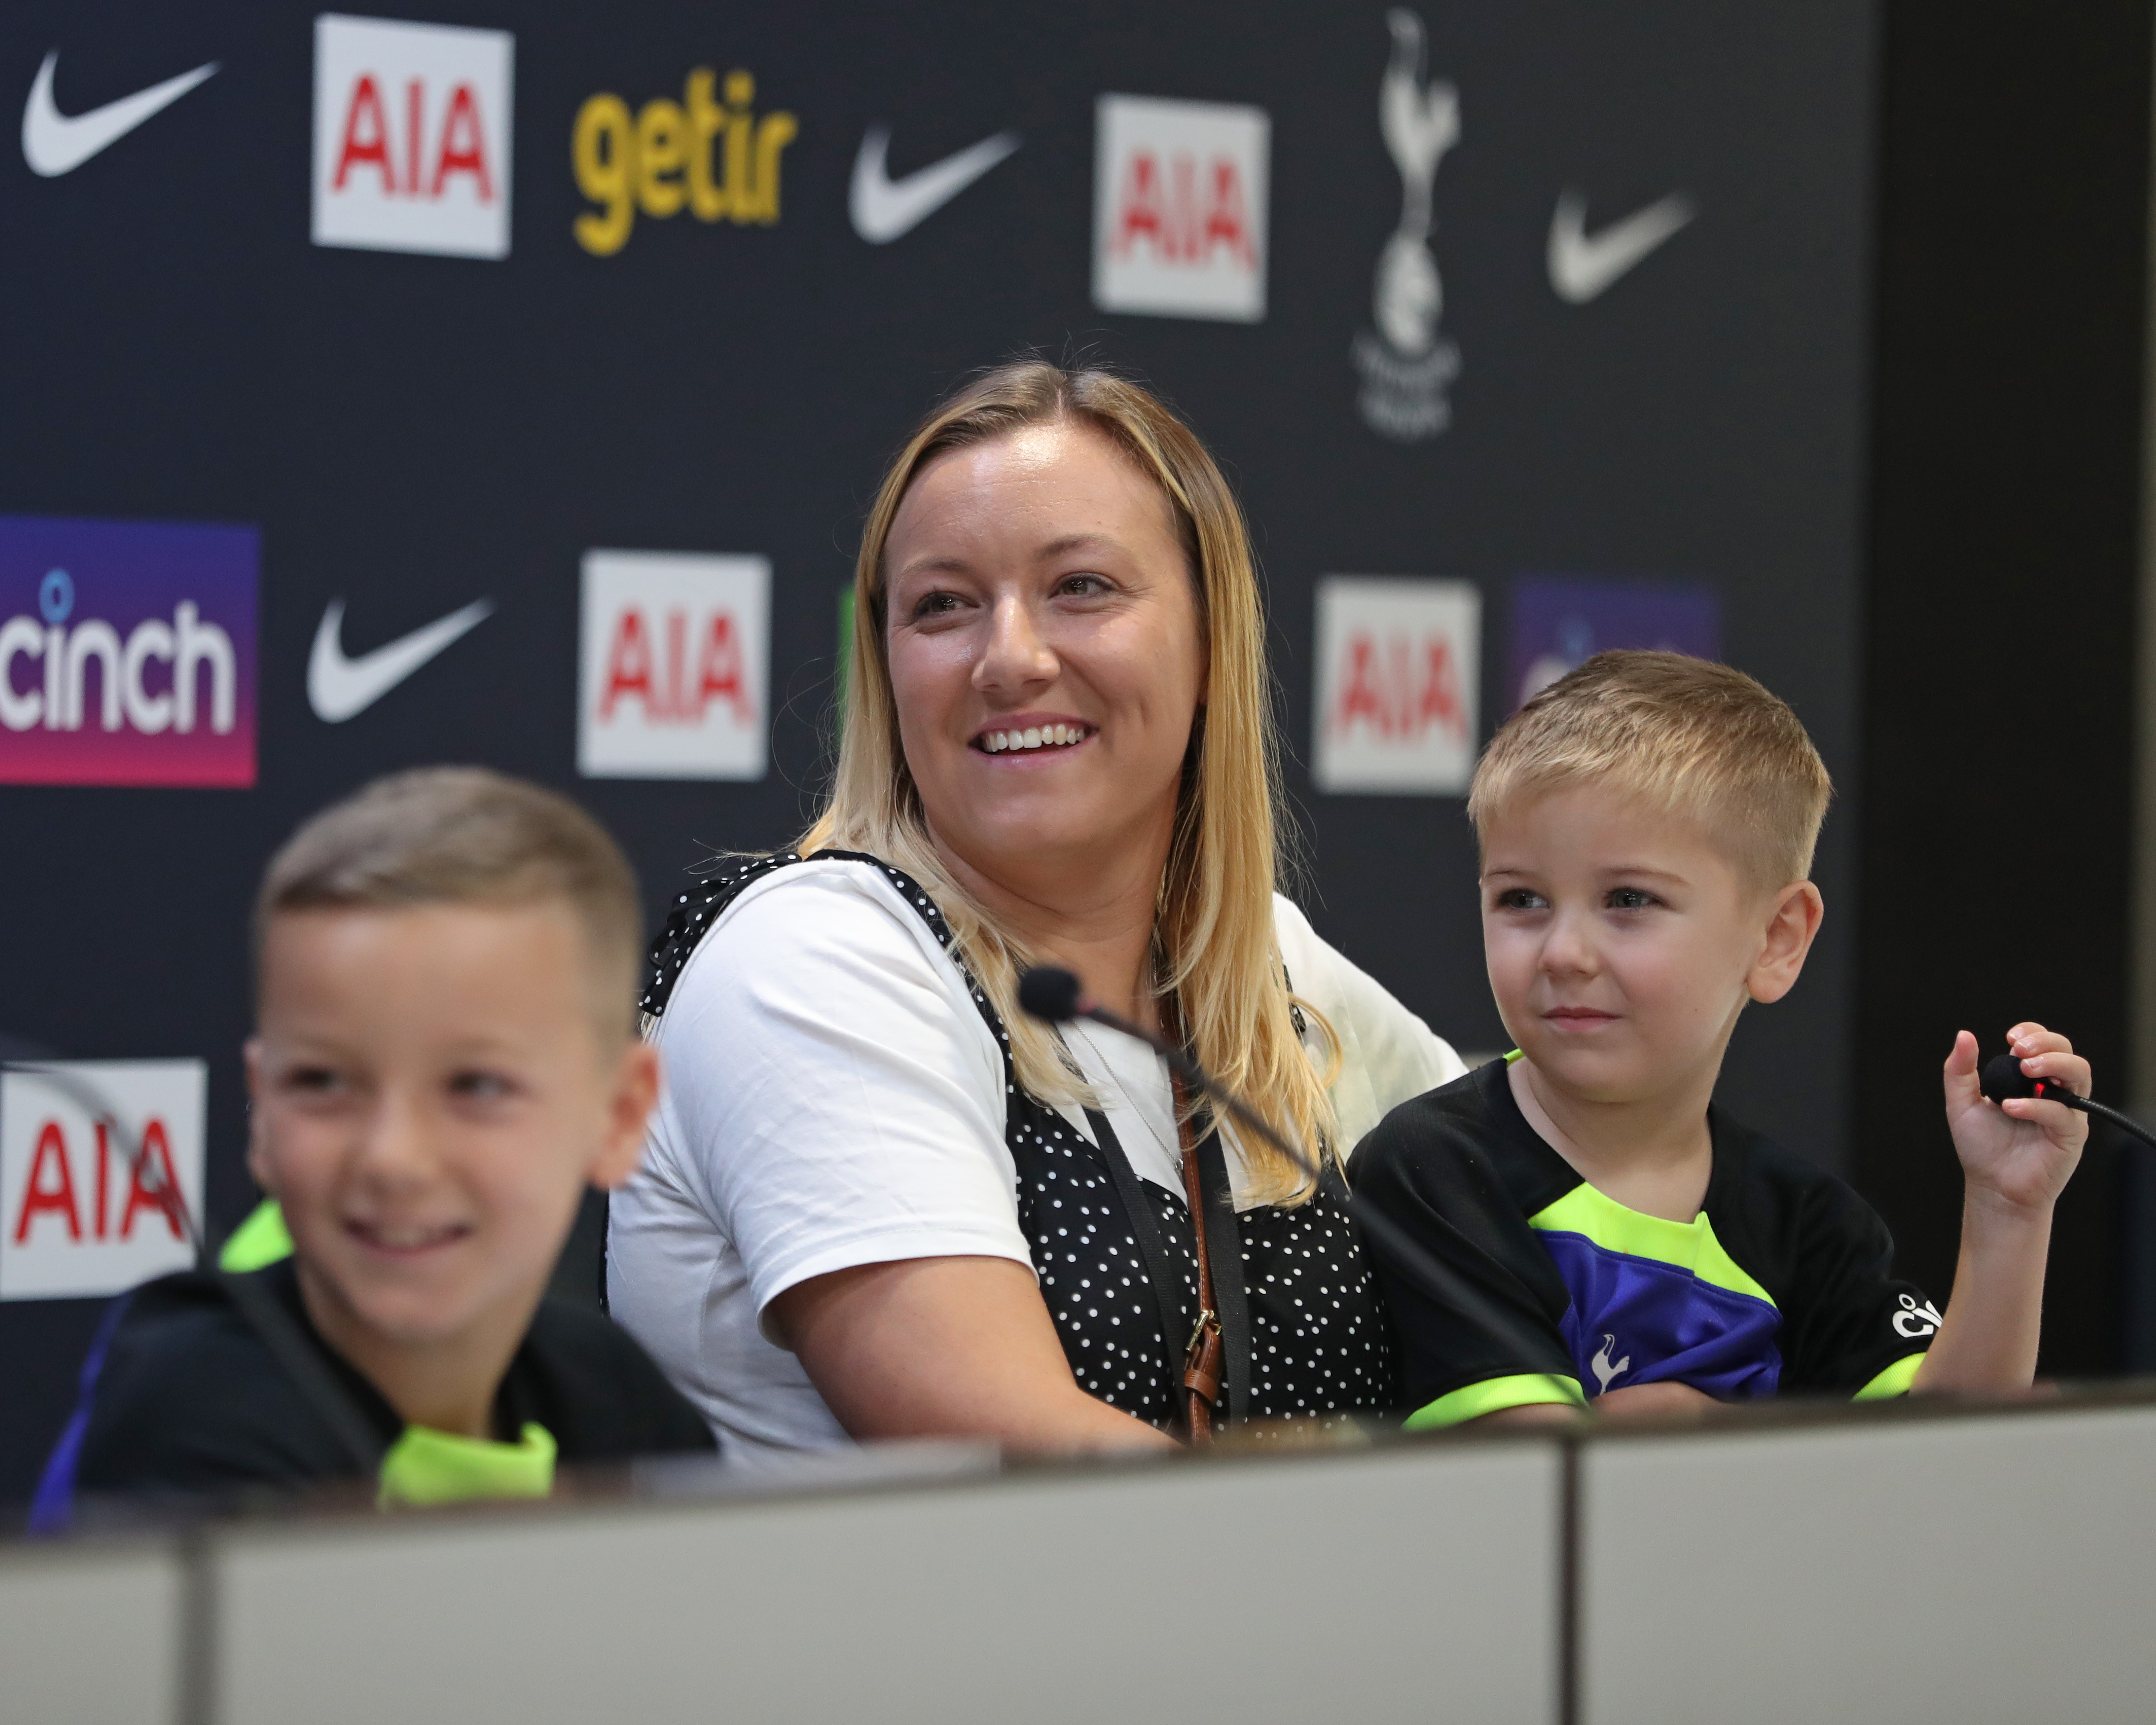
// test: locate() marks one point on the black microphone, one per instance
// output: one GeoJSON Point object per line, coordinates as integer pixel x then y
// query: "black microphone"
{"type": "Point", "coordinates": [2002, 1077]}
{"type": "Point", "coordinates": [1048, 992]}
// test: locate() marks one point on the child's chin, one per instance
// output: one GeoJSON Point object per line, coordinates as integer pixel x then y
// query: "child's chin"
{"type": "Point", "coordinates": [405, 1320]}
{"type": "Point", "coordinates": [1593, 1075]}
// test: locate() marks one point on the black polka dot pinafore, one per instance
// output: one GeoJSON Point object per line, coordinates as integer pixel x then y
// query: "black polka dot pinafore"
{"type": "Point", "coordinates": [1319, 1343]}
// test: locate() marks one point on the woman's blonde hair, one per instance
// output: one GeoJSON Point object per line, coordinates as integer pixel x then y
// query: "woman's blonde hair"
{"type": "Point", "coordinates": [1215, 954]}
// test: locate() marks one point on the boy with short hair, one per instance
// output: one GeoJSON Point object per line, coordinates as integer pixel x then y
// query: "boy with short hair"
{"type": "Point", "coordinates": [1646, 826]}
{"type": "Point", "coordinates": [446, 1056]}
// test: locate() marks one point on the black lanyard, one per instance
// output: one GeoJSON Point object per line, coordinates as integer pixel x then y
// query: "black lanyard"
{"type": "Point", "coordinates": [1222, 1242]}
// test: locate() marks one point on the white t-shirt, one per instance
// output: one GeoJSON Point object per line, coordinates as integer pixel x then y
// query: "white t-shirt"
{"type": "Point", "coordinates": [834, 1098]}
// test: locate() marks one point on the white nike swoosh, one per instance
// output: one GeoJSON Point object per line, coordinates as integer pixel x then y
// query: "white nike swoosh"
{"type": "Point", "coordinates": [338, 687]}
{"type": "Point", "coordinates": [883, 208]}
{"type": "Point", "coordinates": [1582, 265]}
{"type": "Point", "coordinates": [54, 143]}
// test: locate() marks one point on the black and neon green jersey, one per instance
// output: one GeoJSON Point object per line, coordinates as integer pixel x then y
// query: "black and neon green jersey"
{"type": "Point", "coordinates": [1782, 1284]}
{"type": "Point", "coordinates": [181, 1397]}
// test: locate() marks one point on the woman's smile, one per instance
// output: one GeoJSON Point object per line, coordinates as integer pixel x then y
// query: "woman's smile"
{"type": "Point", "coordinates": [1033, 736]}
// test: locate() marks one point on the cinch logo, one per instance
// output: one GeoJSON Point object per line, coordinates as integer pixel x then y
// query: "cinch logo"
{"type": "Point", "coordinates": [412, 136]}
{"type": "Point", "coordinates": [715, 159]}
{"type": "Point", "coordinates": [127, 653]}
{"type": "Point", "coordinates": [1396, 685]}
{"type": "Point", "coordinates": [1179, 207]}
{"type": "Point", "coordinates": [87, 1148]}
{"type": "Point", "coordinates": [675, 655]}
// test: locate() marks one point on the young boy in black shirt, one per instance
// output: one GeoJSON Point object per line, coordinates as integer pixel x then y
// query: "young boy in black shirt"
{"type": "Point", "coordinates": [446, 1056]}
{"type": "Point", "coordinates": [1646, 827]}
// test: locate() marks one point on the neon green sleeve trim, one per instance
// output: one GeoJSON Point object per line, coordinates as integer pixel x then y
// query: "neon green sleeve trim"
{"type": "Point", "coordinates": [1493, 1395]}
{"type": "Point", "coordinates": [1895, 1380]}
{"type": "Point", "coordinates": [426, 1466]}
{"type": "Point", "coordinates": [261, 1240]}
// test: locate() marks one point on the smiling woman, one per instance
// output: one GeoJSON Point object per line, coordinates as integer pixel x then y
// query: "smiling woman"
{"type": "Point", "coordinates": [877, 1200]}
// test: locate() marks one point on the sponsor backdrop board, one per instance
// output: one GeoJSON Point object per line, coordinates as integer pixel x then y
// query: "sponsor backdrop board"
{"type": "Point", "coordinates": [504, 382]}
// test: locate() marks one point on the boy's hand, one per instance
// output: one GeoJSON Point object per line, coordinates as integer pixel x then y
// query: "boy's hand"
{"type": "Point", "coordinates": [2023, 1151]}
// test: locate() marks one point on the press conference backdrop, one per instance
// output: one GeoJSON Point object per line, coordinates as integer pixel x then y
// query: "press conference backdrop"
{"type": "Point", "coordinates": [505, 384]}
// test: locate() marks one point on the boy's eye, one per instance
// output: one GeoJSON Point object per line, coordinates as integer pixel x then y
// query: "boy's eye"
{"type": "Point", "coordinates": [314, 1080]}
{"type": "Point", "coordinates": [481, 1086]}
{"type": "Point", "coordinates": [1630, 898]}
{"type": "Point", "coordinates": [1519, 898]}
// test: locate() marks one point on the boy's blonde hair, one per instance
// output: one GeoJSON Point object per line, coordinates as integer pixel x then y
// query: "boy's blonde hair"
{"type": "Point", "coordinates": [1688, 738]}
{"type": "Point", "coordinates": [464, 835]}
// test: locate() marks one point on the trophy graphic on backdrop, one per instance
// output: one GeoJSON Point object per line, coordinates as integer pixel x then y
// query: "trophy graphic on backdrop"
{"type": "Point", "coordinates": [1404, 363]}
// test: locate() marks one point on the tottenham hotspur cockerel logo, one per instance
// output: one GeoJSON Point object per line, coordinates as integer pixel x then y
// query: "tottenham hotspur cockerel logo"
{"type": "Point", "coordinates": [1406, 364]}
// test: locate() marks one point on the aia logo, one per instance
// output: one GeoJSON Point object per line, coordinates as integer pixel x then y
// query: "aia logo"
{"type": "Point", "coordinates": [412, 136]}
{"type": "Point", "coordinates": [127, 653]}
{"type": "Point", "coordinates": [1179, 209]}
{"type": "Point", "coordinates": [1396, 707]}
{"type": "Point", "coordinates": [88, 1151]}
{"type": "Point", "coordinates": [676, 659]}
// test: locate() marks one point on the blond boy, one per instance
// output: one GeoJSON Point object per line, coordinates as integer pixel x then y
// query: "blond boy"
{"type": "Point", "coordinates": [1646, 828]}
{"type": "Point", "coordinates": [445, 1056]}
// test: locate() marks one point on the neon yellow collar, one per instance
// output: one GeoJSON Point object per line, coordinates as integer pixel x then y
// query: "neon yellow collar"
{"type": "Point", "coordinates": [425, 1466]}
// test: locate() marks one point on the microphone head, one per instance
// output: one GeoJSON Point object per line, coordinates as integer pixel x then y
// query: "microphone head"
{"type": "Point", "coordinates": [1048, 992]}
{"type": "Point", "coordinates": [2003, 1077]}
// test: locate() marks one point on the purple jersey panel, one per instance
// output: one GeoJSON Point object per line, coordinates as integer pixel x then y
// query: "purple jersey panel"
{"type": "Point", "coordinates": [1640, 1320]}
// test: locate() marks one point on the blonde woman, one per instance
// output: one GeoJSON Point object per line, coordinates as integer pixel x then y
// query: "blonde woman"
{"type": "Point", "coordinates": [877, 1201]}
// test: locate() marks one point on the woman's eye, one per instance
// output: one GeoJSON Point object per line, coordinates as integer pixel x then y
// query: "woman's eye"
{"type": "Point", "coordinates": [935, 604]}
{"type": "Point", "coordinates": [314, 1080]}
{"type": "Point", "coordinates": [1083, 586]}
{"type": "Point", "coordinates": [1630, 898]}
{"type": "Point", "coordinates": [1519, 898]}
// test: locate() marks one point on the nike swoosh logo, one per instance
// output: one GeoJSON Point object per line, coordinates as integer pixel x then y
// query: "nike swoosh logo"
{"type": "Point", "coordinates": [1583, 265]}
{"type": "Point", "coordinates": [54, 143]}
{"type": "Point", "coordinates": [883, 208]}
{"type": "Point", "coordinates": [339, 688]}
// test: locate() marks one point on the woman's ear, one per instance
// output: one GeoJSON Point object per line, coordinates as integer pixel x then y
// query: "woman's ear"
{"type": "Point", "coordinates": [1794, 917]}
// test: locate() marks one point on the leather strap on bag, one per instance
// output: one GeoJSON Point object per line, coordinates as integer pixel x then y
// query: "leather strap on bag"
{"type": "Point", "coordinates": [1203, 1358]}
{"type": "Point", "coordinates": [1224, 1236]}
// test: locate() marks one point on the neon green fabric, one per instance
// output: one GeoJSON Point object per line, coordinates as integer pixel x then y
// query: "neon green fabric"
{"type": "Point", "coordinates": [1689, 1245]}
{"type": "Point", "coordinates": [1492, 1396]}
{"type": "Point", "coordinates": [1895, 1380]}
{"type": "Point", "coordinates": [1518, 1054]}
{"type": "Point", "coordinates": [261, 1240]}
{"type": "Point", "coordinates": [426, 1466]}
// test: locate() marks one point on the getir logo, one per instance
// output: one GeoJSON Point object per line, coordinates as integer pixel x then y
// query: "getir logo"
{"type": "Point", "coordinates": [709, 153]}
{"type": "Point", "coordinates": [1179, 207]}
{"type": "Point", "coordinates": [127, 653]}
{"type": "Point", "coordinates": [88, 1150]}
{"type": "Point", "coordinates": [1397, 679]}
{"type": "Point", "coordinates": [412, 136]}
{"type": "Point", "coordinates": [675, 662]}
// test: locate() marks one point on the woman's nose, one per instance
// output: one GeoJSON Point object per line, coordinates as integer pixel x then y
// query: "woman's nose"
{"type": "Point", "coordinates": [1016, 657]}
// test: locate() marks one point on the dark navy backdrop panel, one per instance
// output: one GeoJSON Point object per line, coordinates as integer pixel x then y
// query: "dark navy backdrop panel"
{"type": "Point", "coordinates": [411, 433]}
